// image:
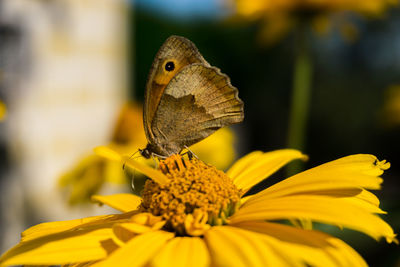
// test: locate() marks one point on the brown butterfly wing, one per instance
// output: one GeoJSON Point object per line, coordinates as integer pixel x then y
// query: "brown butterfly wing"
{"type": "Point", "coordinates": [181, 52]}
{"type": "Point", "coordinates": [198, 101]}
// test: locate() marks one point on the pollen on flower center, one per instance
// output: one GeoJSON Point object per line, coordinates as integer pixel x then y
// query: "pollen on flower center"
{"type": "Point", "coordinates": [195, 197]}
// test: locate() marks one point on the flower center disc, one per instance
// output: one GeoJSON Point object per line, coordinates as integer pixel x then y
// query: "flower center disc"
{"type": "Point", "coordinates": [195, 197]}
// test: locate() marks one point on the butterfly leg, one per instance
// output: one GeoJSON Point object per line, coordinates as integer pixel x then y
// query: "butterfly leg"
{"type": "Point", "coordinates": [190, 153]}
{"type": "Point", "coordinates": [153, 157]}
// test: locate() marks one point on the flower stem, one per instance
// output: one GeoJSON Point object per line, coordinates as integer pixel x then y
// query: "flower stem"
{"type": "Point", "coordinates": [302, 78]}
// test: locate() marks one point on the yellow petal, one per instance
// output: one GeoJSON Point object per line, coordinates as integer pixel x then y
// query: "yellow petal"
{"type": "Point", "coordinates": [311, 247]}
{"type": "Point", "coordinates": [255, 167]}
{"type": "Point", "coordinates": [62, 248]}
{"type": "Point", "coordinates": [244, 199]}
{"type": "Point", "coordinates": [365, 200]}
{"type": "Point", "coordinates": [108, 153]}
{"type": "Point", "coordinates": [84, 179]}
{"type": "Point", "coordinates": [49, 228]}
{"type": "Point", "coordinates": [127, 161]}
{"type": "Point", "coordinates": [183, 252]}
{"type": "Point", "coordinates": [122, 235]}
{"type": "Point", "coordinates": [230, 246]}
{"type": "Point", "coordinates": [336, 211]}
{"type": "Point", "coordinates": [126, 231]}
{"type": "Point", "coordinates": [74, 174]}
{"type": "Point", "coordinates": [217, 149]}
{"type": "Point", "coordinates": [368, 197]}
{"type": "Point", "coordinates": [362, 163]}
{"type": "Point", "coordinates": [155, 175]}
{"type": "Point", "coordinates": [354, 196]}
{"type": "Point", "coordinates": [345, 255]}
{"type": "Point", "coordinates": [121, 202]}
{"type": "Point", "coordinates": [349, 172]}
{"type": "Point", "coordinates": [114, 173]}
{"type": "Point", "coordinates": [138, 224]}
{"type": "Point", "coordinates": [146, 218]}
{"type": "Point", "coordinates": [241, 164]}
{"type": "Point", "coordinates": [138, 251]}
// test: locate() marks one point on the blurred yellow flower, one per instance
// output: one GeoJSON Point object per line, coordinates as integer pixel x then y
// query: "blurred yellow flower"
{"type": "Point", "coordinates": [192, 214]}
{"type": "Point", "coordinates": [3, 111]}
{"type": "Point", "coordinates": [91, 172]}
{"type": "Point", "coordinates": [217, 149]}
{"type": "Point", "coordinates": [89, 175]}
{"type": "Point", "coordinates": [261, 7]}
{"type": "Point", "coordinates": [391, 109]}
{"type": "Point", "coordinates": [279, 16]}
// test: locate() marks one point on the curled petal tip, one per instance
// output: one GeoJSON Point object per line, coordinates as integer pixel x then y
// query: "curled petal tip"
{"type": "Point", "coordinates": [383, 164]}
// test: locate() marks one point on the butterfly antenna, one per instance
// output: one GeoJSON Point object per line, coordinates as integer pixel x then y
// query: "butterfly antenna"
{"type": "Point", "coordinates": [131, 175]}
{"type": "Point", "coordinates": [123, 165]}
{"type": "Point", "coordinates": [133, 181]}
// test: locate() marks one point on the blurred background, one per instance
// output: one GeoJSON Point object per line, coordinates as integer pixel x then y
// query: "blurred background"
{"type": "Point", "coordinates": [320, 76]}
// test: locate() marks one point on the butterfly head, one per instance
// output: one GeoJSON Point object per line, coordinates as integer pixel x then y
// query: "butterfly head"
{"type": "Point", "coordinates": [145, 153]}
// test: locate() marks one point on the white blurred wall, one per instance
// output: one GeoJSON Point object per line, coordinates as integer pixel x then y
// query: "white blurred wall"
{"type": "Point", "coordinates": [63, 96]}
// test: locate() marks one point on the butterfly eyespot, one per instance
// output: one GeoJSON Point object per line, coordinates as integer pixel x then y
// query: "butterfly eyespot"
{"type": "Point", "coordinates": [169, 66]}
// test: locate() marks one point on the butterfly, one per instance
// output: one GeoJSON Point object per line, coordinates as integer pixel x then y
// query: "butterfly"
{"type": "Point", "coordinates": [186, 99]}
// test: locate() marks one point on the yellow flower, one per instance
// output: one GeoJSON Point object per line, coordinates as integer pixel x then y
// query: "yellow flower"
{"type": "Point", "coordinates": [89, 175]}
{"type": "Point", "coordinates": [217, 149]}
{"type": "Point", "coordinates": [280, 16]}
{"type": "Point", "coordinates": [192, 214]}
{"type": "Point", "coordinates": [3, 111]}
{"type": "Point", "coordinates": [391, 109]}
{"type": "Point", "coordinates": [260, 7]}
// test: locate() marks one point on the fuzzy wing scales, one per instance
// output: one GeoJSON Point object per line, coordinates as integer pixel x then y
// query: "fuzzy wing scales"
{"type": "Point", "coordinates": [182, 52]}
{"type": "Point", "coordinates": [198, 101]}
